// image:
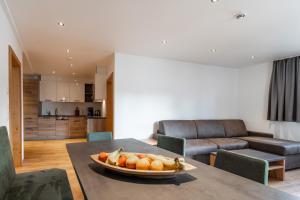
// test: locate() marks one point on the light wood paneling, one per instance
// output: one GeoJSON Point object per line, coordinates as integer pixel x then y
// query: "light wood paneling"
{"type": "Point", "coordinates": [78, 127]}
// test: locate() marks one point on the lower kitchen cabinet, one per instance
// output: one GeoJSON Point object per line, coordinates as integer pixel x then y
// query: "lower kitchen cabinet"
{"type": "Point", "coordinates": [46, 127]}
{"type": "Point", "coordinates": [62, 128]}
{"type": "Point", "coordinates": [78, 127]}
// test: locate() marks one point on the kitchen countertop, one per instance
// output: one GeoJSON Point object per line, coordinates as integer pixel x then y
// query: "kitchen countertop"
{"type": "Point", "coordinates": [56, 116]}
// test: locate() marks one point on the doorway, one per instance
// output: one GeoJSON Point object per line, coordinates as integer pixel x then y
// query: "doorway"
{"type": "Point", "coordinates": [110, 104]}
{"type": "Point", "coordinates": [15, 106]}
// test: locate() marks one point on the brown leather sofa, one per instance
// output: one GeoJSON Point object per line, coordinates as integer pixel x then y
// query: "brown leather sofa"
{"type": "Point", "coordinates": [206, 136]}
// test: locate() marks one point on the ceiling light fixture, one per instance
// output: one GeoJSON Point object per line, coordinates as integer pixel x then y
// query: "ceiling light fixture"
{"type": "Point", "coordinates": [213, 50]}
{"type": "Point", "coordinates": [252, 57]}
{"type": "Point", "coordinates": [53, 72]}
{"type": "Point", "coordinates": [60, 24]}
{"type": "Point", "coordinates": [214, 1]}
{"type": "Point", "coordinates": [164, 42]}
{"type": "Point", "coordinates": [240, 16]}
{"type": "Point", "coordinates": [68, 50]}
{"type": "Point", "coordinates": [71, 65]}
{"type": "Point", "coordinates": [73, 73]}
{"type": "Point", "coordinates": [70, 58]}
{"type": "Point", "coordinates": [75, 80]}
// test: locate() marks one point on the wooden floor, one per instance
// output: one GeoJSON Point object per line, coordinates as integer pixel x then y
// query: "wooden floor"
{"type": "Point", "coordinates": [53, 154]}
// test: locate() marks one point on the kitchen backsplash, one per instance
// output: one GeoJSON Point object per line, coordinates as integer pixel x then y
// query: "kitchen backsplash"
{"type": "Point", "coordinates": [68, 108]}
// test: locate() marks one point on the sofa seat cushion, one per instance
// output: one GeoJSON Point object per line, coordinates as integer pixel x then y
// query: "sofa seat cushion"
{"type": "Point", "coordinates": [272, 145]}
{"type": "Point", "coordinates": [229, 143]}
{"type": "Point", "coordinates": [50, 184]}
{"type": "Point", "coordinates": [178, 128]}
{"type": "Point", "coordinates": [235, 128]}
{"type": "Point", "coordinates": [199, 146]}
{"type": "Point", "coordinates": [210, 129]}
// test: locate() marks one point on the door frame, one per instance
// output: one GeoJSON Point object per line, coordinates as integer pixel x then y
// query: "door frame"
{"type": "Point", "coordinates": [109, 125]}
{"type": "Point", "coordinates": [15, 106]}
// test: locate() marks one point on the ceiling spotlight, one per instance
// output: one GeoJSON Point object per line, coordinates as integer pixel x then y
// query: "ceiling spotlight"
{"type": "Point", "coordinates": [213, 50]}
{"type": "Point", "coordinates": [60, 24]}
{"type": "Point", "coordinates": [164, 42]}
{"type": "Point", "coordinates": [240, 16]}
{"type": "Point", "coordinates": [68, 50]}
{"type": "Point", "coordinates": [214, 1]}
{"type": "Point", "coordinates": [71, 65]}
{"type": "Point", "coordinates": [53, 72]}
{"type": "Point", "coordinates": [252, 57]}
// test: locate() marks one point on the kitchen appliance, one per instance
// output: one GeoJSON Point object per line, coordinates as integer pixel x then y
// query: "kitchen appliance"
{"type": "Point", "coordinates": [77, 111]}
{"type": "Point", "coordinates": [97, 113]}
{"type": "Point", "coordinates": [90, 112]}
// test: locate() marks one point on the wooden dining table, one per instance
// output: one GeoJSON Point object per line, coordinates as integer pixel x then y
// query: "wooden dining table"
{"type": "Point", "coordinates": [203, 183]}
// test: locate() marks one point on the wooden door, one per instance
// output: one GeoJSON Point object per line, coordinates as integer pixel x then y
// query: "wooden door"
{"type": "Point", "coordinates": [110, 104]}
{"type": "Point", "coordinates": [15, 107]}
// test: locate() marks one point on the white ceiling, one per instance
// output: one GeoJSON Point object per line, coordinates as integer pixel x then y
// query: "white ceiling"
{"type": "Point", "coordinates": [94, 29]}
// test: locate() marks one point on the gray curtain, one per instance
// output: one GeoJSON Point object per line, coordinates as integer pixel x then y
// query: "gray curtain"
{"type": "Point", "coordinates": [284, 93]}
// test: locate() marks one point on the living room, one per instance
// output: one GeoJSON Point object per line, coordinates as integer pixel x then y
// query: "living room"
{"type": "Point", "coordinates": [214, 82]}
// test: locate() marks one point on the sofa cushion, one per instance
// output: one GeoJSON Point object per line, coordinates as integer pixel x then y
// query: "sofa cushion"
{"type": "Point", "coordinates": [199, 146]}
{"type": "Point", "coordinates": [229, 143]}
{"type": "Point", "coordinates": [209, 129]}
{"type": "Point", "coordinates": [50, 184]}
{"type": "Point", "coordinates": [272, 145]}
{"type": "Point", "coordinates": [235, 128]}
{"type": "Point", "coordinates": [178, 128]}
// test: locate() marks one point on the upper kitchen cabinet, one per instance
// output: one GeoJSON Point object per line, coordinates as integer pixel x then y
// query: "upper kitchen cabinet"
{"type": "Point", "coordinates": [100, 87]}
{"type": "Point", "coordinates": [48, 90]}
{"type": "Point", "coordinates": [76, 92]}
{"type": "Point", "coordinates": [63, 91]}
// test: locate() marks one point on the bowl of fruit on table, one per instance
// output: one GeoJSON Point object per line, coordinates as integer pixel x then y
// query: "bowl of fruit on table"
{"type": "Point", "coordinates": [141, 164]}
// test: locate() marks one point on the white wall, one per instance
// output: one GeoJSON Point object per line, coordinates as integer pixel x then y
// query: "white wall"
{"type": "Point", "coordinates": [148, 90]}
{"type": "Point", "coordinates": [7, 37]}
{"type": "Point", "coordinates": [253, 103]}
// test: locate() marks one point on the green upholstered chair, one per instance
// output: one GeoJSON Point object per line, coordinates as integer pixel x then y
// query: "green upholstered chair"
{"type": "Point", "coordinates": [248, 167]}
{"type": "Point", "coordinates": [99, 136]}
{"type": "Point", "coordinates": [175, 145]}
{"type": "Point", "coordinates": [50, 184]}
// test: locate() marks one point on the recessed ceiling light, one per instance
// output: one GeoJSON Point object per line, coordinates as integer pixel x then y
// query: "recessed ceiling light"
{"type": "Point", "coordinates": [240, 16]}
{"type": "Point", "coordinates": [213, 50]}
{"type": "Point", "coordinates": [252, 57]}
{"type": "Point", "coordinates": [164, 42]}
{"type": "Point", "coordinates": [53, 72]}
{"type": "Point", "coordinates": [214, 1]}
{"type": "Point", "coordinates": [71, 65]}
{"type": "Point", "coordinates": [68, 50]}
{"type": "Point", "coordinates": [60, 24]}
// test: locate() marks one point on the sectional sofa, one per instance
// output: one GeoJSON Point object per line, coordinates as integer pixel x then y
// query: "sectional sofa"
{"type": "Point", "coordinates": [198, 138]}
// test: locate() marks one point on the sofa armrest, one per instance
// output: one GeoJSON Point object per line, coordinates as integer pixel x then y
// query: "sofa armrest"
{"type": "Point", "coordinates": [260, 134]}
{"type": "Point", "coordinates": [173, 144]}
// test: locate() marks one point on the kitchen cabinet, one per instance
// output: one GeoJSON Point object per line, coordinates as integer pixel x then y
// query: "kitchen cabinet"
{"type": "Point", "coordinates": [100, 87]}
{"type": "Point", "coordinates": [78, 127]}
{"type": "Point", "coordinates": [62, 128]}
{"type": "Point", "coordinates": [46, 127]}
{"type": "Point", "coordinates": [48, 90]}
{"type": "Point", "coordinates": [77, 92]}
{"type": "Point", "coordinates": [95, 125]}
{"type": "Point", "coordinates": [31, 108]}
{"type": "Point", "coordinates": [63, 91]}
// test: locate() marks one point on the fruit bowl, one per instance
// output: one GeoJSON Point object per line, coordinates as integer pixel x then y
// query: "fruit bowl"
{"type": "Point", "coordinates": [141, 164]}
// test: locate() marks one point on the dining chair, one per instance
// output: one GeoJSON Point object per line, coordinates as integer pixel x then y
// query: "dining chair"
{"type": "Point", "coordinates": [45, 184]}
{"type": "Point", "coordinates": [245, 166]}
{"type": "Point", "coordinates": [175, 145]}
{"type": "Point", "coordinates": [99, 136]}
